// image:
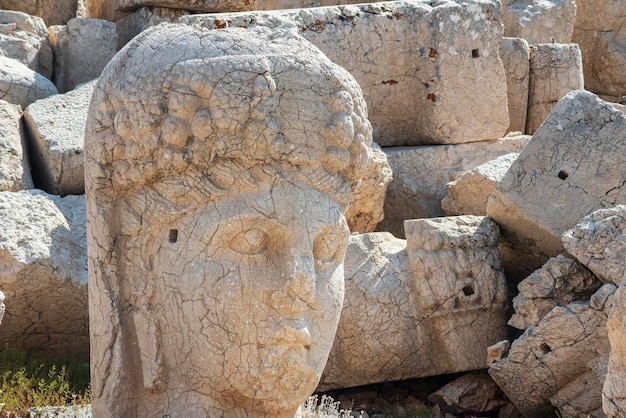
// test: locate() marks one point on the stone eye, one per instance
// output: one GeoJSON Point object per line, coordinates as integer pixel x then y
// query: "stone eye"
{"type": "Point", "coordinates": [328, 247]}
{"type": "Point", "coordinates": [251, 242]}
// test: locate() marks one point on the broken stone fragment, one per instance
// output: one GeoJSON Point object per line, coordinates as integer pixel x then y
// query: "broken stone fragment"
{"type": "Point", "coordinates": [598, 241]}
{"type": "Point", "coordinates": [469, 194]}
{"type": "Point", "coordinates": [420, 176]}
{"type": "Point", "coordinates": [401, 296]}
{"type": "Point", "coordinates": [21, 85]}
{"type": "Point", "coordinates": [558, 282]}
{"type": "Point", "coordinates": [555, 70]}
{"type": "Point", "coordinates": [299, 4]}
{"type": "Point", "coordinates": [515, 55]}
{"type": "Point", "coordinates": [14, 165]}
{"type": "Point", "coordinates": [82, 48]}
{"type": "Point", "coordinates": [25, 39]}
{"type": "Point", "coordinates": [136, 22]}
{"type": "Point", "coordinates": [43, 272]}
{"type": "Point", "coordinates": [473, 393]}
{"type": "Point", "coordinates": [56, 127]}
{"type": "Point", "coordinates": [406, 56]}
{"type": "Point", "coordinates": [540, 21]}
{"type": "Point", "coordinates": [552, 363]}
{"type": "Point", "coordinates": [53, 12]}
{"type": "Point", "coordinates": [614, 390]}
{"type": "Point", "coordinates": [573, 166]}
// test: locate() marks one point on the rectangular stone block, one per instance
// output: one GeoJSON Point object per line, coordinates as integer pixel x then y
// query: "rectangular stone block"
{"type": "Point", "coordinates": [430, 71]}
{"type": "Point", "coordinates": [210, 6]}
{"type": "Point", "coordinates": [14, 167]}
{"type": "Point", "coordinates": [515, 55]}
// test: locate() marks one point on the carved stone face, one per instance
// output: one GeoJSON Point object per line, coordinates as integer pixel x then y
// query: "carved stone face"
{"type": "Point", "coordinates": [255, 284]}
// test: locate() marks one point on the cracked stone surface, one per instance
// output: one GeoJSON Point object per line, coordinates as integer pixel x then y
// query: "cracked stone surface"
{"type": "Point", "coordinates": [218, 167]}
{"type": "Point", "coordinates": [25, 39]}
{"type": "Point", "coordinates": [56, 127]}
{"type": "Point", "coordinates": [430, 71]}
{"type": "Point", "coordinates": [614, 390]}
{"type": "Point", "coordinates": [402, 297]}
{"type": "Point", "coordinates": [473, 393]}
{"type": "Point", "coordinates": [53, 12]}
{"type": "Point", "coordinates": [298, 4]}
{"type": "Point", "coordinates": [136, 22]}
{"type": "Point", "coordinates": [14, 165]}
{"type": "Point", "coordinates": [600, 31]}
{"type": "Point", "coordinates": [560, 363]}
{"type": "Point", "coordinates": [420, 176]}
{"type": "Point", "coordinates": [515, 55]}
{"type": "Point", "coordinates": [210, 6]}
{"type": "Point", "coordinates": [576, 159]}
{"type": "Point", "coordinates": [367, 199]}
{"type": "Point", "coordinates": [555, 70]}
{"type": "Point", "coordinates": [82, 49]}
{"type": "Point", "coordinates": [469, 194]}
{"type": "Point", "coordinates": [598, 241]}
{"type": "Point", "coordinates": [21, 85]}
{"type": "Point", "coordinates": [43, 272]}
{"type": "Point", "coordinates": [540, 21]}
{"type": "Point", "coordinates": [558, 282]}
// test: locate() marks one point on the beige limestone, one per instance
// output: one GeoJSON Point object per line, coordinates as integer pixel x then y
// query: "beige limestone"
{"type": "Point", "coordinates": [56, 127]}
{"type": "Point", "coordinates": [614, 390]}
{"type": "Point", "coordinates": [21, 85]}
{"type": "Point", "coordinates": [218, 167]}
{"type": "Point", "coordinates": [469, 194]}
{"type": "Point", "coordinates": [424, 79]}
{"type": "Point", "coordinates": [103, 9]}
{"type": "Point", "coordinates": [556, 361]}
{"type": "Point", "coordinates": [402, 296]}
{"type": "Point", "coordinates": [598, 241]}
{"type": "Point", "coordinates": [473, 393]}
{"type": "Point", "coordinates": [53, 12]}
{"type": "Point", "coordinates": [540, 21]}
{"type": "Point", "coordinates": [420, 176]}
{"type": "Point", "coordinates": [136, 22]}
{"type": "Point", "coordinates": [43, 272]}
{"type": "Point", "coordinates": [599, 31]}
{"type": "Point", "coordinates": [515, 55]}
{"type": "Point", "coordinates": [367, 199]}
{"type": "Point", "coordinates": [14, 165]}
{"type": "Point", "coordinates": [572, 167]}
{"type": "Point", "coordinates": [81, 49]}
{"type": "Point", "coordinates": [25, 39]}
{"type": "Point", "coordinates": [555, 70]}
{"type": "Point", "coordinates": [558, 282]}
{"type": "Point", "coordinates": [299, 4]}
{"type": "Point", "coordinates": [211, 6]}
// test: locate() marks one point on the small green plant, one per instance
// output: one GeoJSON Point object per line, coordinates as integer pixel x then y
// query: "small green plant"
{"type": "Point", "coordinates": [31, 379]}
{"type": "Point", "coordinates": [327, 407]}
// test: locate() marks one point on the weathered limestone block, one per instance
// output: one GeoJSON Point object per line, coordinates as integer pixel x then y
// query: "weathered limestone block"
{"type": "Point", "coordinates": [299, 4]}
{"type": "Point", "coordinates": [82, 48]}
{"type": "Point", "coordinates": [14, 166]}
{"type": "Point", "coordinates": [515, 55]}
{"type": "Point", "coordinates": [556, 359]}
{"type": "Point", "coordinates": [424, 79]}
{"type": "Point", "coordinates": [560, 281]}
{"type": "Point", "coordinates": [218, 167]}
{"type": "Point", "coordinates": [555, 70]}
{"type": "Point", "coordinates": [56, 127]}
{"type": "Point", "coordinates": [402, 296]}
{"type": "Point", "coordinates": [210, 6]}
{"type": "Point", "coordinates": [598, 241]}
{"type": "Point", "coordinates": [25, 39]}
{"type": "Point", "coordinates": [600, 31]}
{"type": "Point", "coordinates": [138, 21]}
{"type": "Point", "coordinates": [540, 21]}
{"type": "Point", "coordinates": [614, 390]}
{"type": "Point", "coordinates": [469, 394]}
{"type": "Point", "coordinates": [43, 272]}
{"type": "Point", "coordinates": [579, 398]}
{"type": "Point", "coordinates": [21, 85]}
{"type": "Point", "coordinates": [573, 166]}
{"type": "Point", "coordinates": [53, 12]}
{"type": "Point", "coordinates": [103, 9]}
{"type": "Point", "coordinates": [469, 194]}
{"type": "Point", "coordinates": [420, 176]}
{"type": "Point", "coordinates": [367, 200]}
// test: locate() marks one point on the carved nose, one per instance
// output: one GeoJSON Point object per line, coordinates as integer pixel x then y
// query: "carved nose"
{"type": "Point", "coordinates": [297, 290]}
